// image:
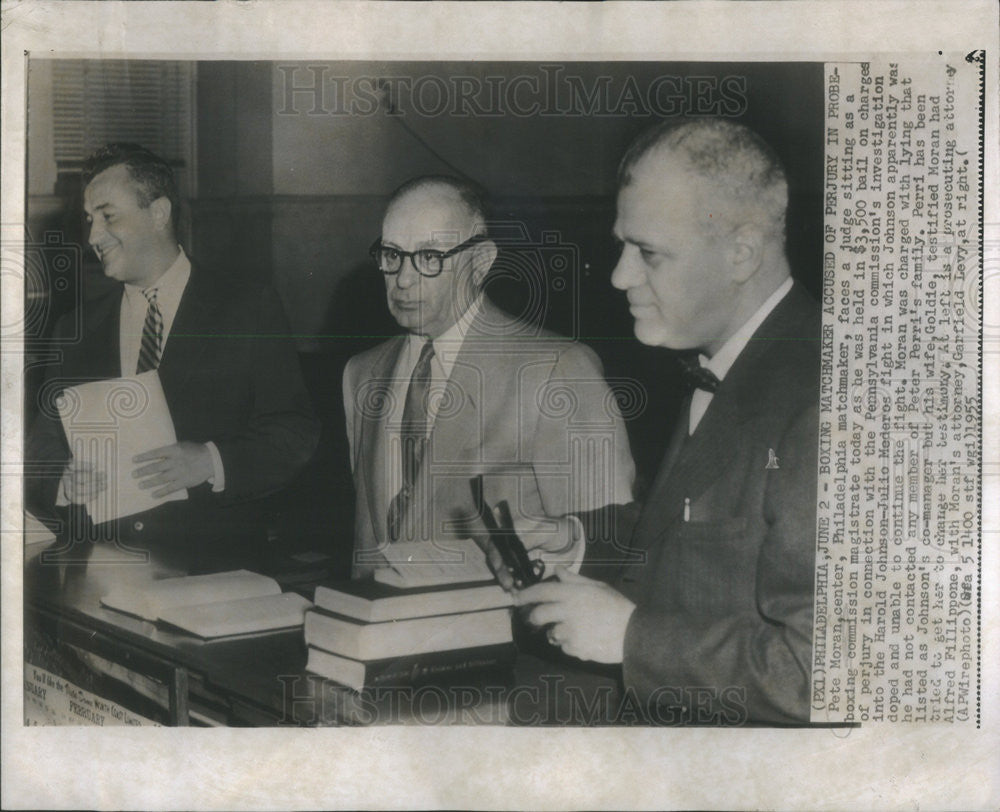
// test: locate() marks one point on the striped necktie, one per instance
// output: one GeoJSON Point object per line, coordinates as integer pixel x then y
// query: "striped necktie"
{"type": "Point", "coordinates": [413, 438]}
{"type": "Point", "coordinates": [152, 335]}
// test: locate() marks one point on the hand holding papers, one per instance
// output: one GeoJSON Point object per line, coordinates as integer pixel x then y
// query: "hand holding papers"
{"type": "Point", "coordinates": [173, 468]}
{"type": "Point", "coordinates": [82, 482]}
{"type": "Point", "coordinates": [107, 423]}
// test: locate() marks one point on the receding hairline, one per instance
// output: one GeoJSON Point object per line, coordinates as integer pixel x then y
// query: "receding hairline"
{"type": "Point", "coordinates": [667, 159]}
{"type": "Point", "coordinates": [432, 188]}
{"type": "Point", "coordinates": [673, 171]}
{"type": "Point", "coordinates": [691, 139]}
{"type": "Point", "coordinates": [727, 162]}
{"type": "Point", "coordinates": [465, 195]}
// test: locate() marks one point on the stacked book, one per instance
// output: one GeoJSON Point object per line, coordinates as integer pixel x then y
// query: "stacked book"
{"type": "Point", "coordinates": [369, 633]}
{"type": "Point", "coordinates": [221, 604]}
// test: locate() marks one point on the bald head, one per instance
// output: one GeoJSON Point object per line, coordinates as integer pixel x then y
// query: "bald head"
{"type": "Point", "coordinates": [436, 215]}
{"type": "Point", "coordinates": [468, 199]}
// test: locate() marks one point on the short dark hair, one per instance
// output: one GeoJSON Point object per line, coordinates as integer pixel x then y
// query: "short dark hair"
{"type": "Point", "coordinates": [151, 174]}
{"type": "Point", "coordinates": [738, 164]}
{"type": "Point", "coordinates": [472, 195]}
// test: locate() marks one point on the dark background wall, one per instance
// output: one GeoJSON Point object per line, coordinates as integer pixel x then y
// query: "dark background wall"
{"type": "Point", "coordinates": [294, 161]}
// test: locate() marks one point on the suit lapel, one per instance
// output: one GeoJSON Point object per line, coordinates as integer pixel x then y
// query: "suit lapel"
{"type": "Point", "coordinates": [457, 425]}
{"type": "Point", "coordinates": [704, 456]}
{"type": "Point", "coordinates": [677, 442]}
{"type": "Point", "coordinates": [101, 351]}
{"type": "Point", "coordinates": [374, 460]}
{"type": "Point", "coordinates": [458, 422]}
{"type": "Point", "coordinates": [202, 295]}
{"type": "Point", "coordinates": [690, 467]}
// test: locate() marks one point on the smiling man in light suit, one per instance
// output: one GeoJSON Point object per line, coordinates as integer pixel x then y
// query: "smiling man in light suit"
{"type": "Point", "coordinates": [713, 623]}
{"type": "Point", "coordinates": [467, 390]}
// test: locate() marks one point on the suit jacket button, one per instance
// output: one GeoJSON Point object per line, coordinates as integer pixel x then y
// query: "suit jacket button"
{"type": "Point", "coordinates": [138, 526]}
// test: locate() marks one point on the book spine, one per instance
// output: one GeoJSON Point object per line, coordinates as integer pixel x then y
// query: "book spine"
{"type": "Point", "coordinates": [349, 606]}
{"type": "Point", "coordinates": [406, 638]}
{"type": "Point", "coordinates": [330, 632]}
{"type": "Point", "coordinates": [429, 666]}
{"type": "Point", "coordinates": [370, 603]}
{"type": "Point", "coordinates": [426, 668]}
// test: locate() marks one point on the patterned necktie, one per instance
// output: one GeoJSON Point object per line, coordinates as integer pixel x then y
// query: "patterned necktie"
{"type": "Point", "coordinates": [413, 438]}
{"type": "Point", "coordinates": [695, 375]}
{"type": "Point", "coordinates": [152, 335]}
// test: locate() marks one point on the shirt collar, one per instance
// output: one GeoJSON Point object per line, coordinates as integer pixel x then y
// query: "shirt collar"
{"type": "Point", "coordinates": [721, 362]}
{"type": "Point", "coordinates": [447, 345]}
{"type": "Point", "coordinates": [171, 283]}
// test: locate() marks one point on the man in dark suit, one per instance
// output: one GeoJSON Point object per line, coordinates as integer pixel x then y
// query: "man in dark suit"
{"type": "Point", "coordinates": [714, 622]}
{"type": "Point", "coordinates": [468, 390]}
{"type": "Point", "coordinates": [229, 374]}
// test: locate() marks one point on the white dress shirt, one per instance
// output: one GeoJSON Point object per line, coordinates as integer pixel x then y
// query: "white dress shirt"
{"type": "Point", "coordinates": [721, 362]}
{"type": "Point", "coordinates": [446, 349]}
{"type": "Point", "coordinates": [169, 290]}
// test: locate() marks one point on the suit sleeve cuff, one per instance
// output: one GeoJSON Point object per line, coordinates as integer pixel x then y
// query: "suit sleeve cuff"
{"type": "Point", "coordinates": [218, 478]}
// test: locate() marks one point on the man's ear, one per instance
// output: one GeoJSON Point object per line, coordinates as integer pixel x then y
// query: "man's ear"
{"type": "Point", "coordinates": [746, 251]}
{"type": "Point", "coordinates": [161, 210]}
{"type": "Point", "coordinates": [482, 260]}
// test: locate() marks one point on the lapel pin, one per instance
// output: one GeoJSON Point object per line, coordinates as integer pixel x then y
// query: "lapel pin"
{"type": "Point", "coordinates": [772, 460]}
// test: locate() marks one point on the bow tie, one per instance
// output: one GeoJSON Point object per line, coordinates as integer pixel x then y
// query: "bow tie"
{"type": "Point", "coordinates": [695, 375]}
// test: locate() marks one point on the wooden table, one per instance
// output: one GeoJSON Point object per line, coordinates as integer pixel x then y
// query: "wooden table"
{"type": "Point", "coordinates": [260, 679]}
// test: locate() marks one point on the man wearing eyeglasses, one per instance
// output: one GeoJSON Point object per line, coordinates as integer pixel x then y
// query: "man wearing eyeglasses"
{"type": "Point", "coordinates": [468, 390]}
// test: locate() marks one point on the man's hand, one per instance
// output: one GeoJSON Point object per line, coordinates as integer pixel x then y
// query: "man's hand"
{"type": "Point", "coordinates": [81, 482]}
{"type": "Point", "coordinates": [586, 618]}
{"type": "Point", "coordinates": [554, 536]}
{"type": "Point", "coordinates": [174, 467]}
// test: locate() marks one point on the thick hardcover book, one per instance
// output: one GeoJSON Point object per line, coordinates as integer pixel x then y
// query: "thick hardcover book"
{"type": "Point", "coordinates": [245, 616]}
{"type": "Point", "coordinates": [150, 600]}
{"type": "Point", "coordinates": [372, 601]}
{"type": "Point", "coordinates": [403, 638]}
{"type": "Point", "coordinates": [412, 670]}
{"type": "Point", "coordinates": [421, 563]}
{"type": "Point", "coordinates": [216, 605]}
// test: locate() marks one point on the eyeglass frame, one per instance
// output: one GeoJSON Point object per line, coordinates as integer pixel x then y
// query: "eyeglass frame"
{"type": "Point", "coordinates": [440, 256]}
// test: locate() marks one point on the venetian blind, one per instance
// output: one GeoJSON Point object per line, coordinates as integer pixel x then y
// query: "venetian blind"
{"type": "Point", "coordinates": [143, 101]}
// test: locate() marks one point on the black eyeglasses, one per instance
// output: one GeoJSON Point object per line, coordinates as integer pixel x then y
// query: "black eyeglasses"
{"type": "Point", "coordinates": [426, 261]}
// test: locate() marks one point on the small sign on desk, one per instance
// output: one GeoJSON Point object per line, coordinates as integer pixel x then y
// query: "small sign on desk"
{"type": "Point", "coordinates": [52, 700]}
